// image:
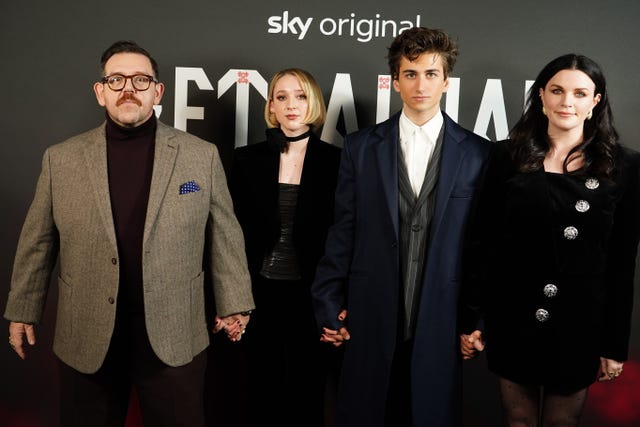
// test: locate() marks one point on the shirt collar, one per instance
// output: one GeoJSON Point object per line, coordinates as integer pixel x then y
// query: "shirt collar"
{"type": "Point", "coordinates": [431, 128]}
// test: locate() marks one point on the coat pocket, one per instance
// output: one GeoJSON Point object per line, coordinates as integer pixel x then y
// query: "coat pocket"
{"type": "Point", "coordinates": [64, 317]}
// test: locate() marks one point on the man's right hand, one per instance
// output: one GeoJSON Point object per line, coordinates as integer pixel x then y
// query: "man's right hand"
{"type": "Point", "coordinates": [17, 334]}
{"type": "Point", "coordinates": [333, 337]}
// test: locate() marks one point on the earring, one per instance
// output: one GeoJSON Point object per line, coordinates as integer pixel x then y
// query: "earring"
{"type": "Point", "coordinates": [590, 115]}
{"type": "Point", "coordinates": [544, 111]}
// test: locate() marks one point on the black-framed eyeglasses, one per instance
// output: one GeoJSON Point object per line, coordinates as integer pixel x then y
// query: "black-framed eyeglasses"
{"type": "Point", "coordinates": [117, 82]}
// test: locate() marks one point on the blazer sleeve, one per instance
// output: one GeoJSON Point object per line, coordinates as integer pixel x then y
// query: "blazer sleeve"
{"type": "Point", "coordinates": [36, 255]}
{"type": "Point", "coordinates": [330, 285]}
{"type": "Point", "coordinates": [621, 261]}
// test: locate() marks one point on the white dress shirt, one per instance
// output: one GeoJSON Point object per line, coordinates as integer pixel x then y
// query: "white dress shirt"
{"type": "Point", "coordinates": [417, 144]}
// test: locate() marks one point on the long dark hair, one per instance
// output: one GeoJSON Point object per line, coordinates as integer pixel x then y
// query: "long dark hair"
{"type": "Point", "coordinates": [530, 142]}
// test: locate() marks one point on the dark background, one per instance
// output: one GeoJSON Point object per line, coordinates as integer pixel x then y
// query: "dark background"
{"type": "Point", "coordinates": [50, 59]}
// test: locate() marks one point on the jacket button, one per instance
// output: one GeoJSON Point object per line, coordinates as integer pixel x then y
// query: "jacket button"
{"type": "Point", "coordinates": [114, 261]}
{"type": "Point", "coordinates": [542, 315]}
{"type": "Point", "coordinates": [592, 183]}
{"type": "Point", "coordinates": [570, 233]}
{"type": "Point", "coordinates": [111, 300]}
{"type": "Point", "coordinates": [550, 290]}
{"type": "Point", "coordinates": [582, 206]}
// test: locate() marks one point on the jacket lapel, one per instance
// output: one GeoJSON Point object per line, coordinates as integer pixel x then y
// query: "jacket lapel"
{"type": "Point", "coordinates": [310, 173]}
{"type": "Point", "coordinates": [96, 158]}
{"type": "Point", "coordinates": [166, 150]}
{"type": "Point", "coordinates": [386, 148]}
{"type": "Point", "coordinates": [453, 151]}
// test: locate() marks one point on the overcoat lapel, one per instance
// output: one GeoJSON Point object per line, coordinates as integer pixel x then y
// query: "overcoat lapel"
{"type": "Point", "coordinates": [310, 169]}
{"type": "Point", "coordinates": [96, 161]}
{"type": "Point", "coordinates": [164, 160]}
{"type": "Point", "coordinates": [386, 148]}
{"type": "Point", "coordinates": [269, 174]}
{"type": "Point", "coordinates": [453, 151]}
{"type": "Point", "coordinates": [263, 169]}
{"type": "Point", "coordinates": [311, 166]}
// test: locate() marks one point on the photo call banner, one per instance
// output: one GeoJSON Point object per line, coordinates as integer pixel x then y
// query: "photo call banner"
{"type": "Point", "coordinates": [216, 59]}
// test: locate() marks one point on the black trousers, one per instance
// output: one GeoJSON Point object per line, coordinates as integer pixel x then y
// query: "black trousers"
{"type": "Point", "coordinates": [168, 396]}
{"type": "Point", "coordinates": [290, 370]}
{"type": "Point", "coordinates": [398, 406]}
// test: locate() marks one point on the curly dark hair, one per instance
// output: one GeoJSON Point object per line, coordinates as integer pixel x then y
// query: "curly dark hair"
{"type": "Point", "coordinates": [415, 41]}
{"type": "Point", "coordinates": [529, 141]}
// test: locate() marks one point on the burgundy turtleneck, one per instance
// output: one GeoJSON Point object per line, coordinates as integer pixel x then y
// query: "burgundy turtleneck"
{"type": "Point", "coordinates": [130, 165]}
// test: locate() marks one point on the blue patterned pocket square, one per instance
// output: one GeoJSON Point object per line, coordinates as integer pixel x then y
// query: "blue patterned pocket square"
{"type": "Point", "coordinates": [189, 187]}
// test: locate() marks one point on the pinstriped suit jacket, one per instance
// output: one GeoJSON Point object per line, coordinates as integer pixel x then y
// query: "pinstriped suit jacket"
{"type": "Point", "coordinates": [184, 235]}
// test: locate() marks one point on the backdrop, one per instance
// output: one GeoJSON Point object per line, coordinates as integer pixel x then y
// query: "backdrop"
{"type": "Point", "coordinates": [216, 59]}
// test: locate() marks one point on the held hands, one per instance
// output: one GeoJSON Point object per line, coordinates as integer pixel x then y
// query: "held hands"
{"type": "Point", "coordinates": [336, 338]}
{"type": "Point", "coordinates": [609, 369]}
{"type": "Point", "coordinates": [471, 345]}
{"type": "Point", "coordinates": [234, 326]}
{"type": "Point", "coordinates": [17, 331]}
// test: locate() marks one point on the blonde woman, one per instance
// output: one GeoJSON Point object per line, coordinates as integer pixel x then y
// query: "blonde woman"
{"type": "Point", "coordinates": [283, 192]}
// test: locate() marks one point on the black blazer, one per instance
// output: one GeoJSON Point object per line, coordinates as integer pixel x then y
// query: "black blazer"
{"type": "Point", "coordinates": [253, 184]}
{"type": "Point", "coordinates": [524, 228]}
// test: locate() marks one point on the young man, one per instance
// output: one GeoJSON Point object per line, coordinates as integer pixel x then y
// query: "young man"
{"type": "Point", "coordinates": [393, 257]}
{"type": "Point", "coordinates": [139, 214]}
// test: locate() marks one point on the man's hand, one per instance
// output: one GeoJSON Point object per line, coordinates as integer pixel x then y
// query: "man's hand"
{"type": "Point", "coordinates": [471, 344]}
{"type": "Point", "coordinates": [336, 338]}
{"type": "Point", "coordinates": [234, 326]}
{"type": "Point", "coordinates": [17, 332]}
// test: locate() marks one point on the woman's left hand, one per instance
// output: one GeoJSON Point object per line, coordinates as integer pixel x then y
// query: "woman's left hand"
{"type": "Point", "coordinates": [234, 325]}
{"type": "Point", "coordinates": [609, 369]}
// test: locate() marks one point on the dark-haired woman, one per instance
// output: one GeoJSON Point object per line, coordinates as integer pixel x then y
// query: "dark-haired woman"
{"type": "Point", "coordinates": [283, 194]}
{"type": "Point", "coordinates": [558, 232]}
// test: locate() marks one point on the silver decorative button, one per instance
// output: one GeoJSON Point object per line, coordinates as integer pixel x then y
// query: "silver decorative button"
{"type": "Point", "coordinates": [592, 183]}
{"type": "Point", "coordinates": [550, 290]}
{"type": "Point", "coordinates": [570, 233]}
{"type": "Point", "coordinates": [582, 206]}
{"type": "Point", "coordinates": [542, 315]}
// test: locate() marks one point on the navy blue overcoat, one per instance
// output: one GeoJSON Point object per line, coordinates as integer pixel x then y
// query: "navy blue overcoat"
{"type": "Point", "coordinates": [360, 271]}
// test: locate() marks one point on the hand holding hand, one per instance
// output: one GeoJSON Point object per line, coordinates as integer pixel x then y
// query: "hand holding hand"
{"type": "Point", "coordinates": [234, 325]}
{"type": "Point", "coordinates": [471, 344]}
{"type": "Point", "coordinates": [17, 332]}
{"type": "Point", "coordinates": [336, 337]}
{"type": "Point", "coordinates": [609, 369]}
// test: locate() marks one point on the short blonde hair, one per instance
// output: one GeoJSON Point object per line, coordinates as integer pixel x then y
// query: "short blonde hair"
{"type": "Point", "coordinates": [317, 111]}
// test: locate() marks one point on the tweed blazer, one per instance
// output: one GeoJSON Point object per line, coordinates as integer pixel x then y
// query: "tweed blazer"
{"type": "Point", "coordinates": [189, 239]}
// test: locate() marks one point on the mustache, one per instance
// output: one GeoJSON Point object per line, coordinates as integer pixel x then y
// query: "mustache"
{"type": "Point", "coordinates": [128, 96]}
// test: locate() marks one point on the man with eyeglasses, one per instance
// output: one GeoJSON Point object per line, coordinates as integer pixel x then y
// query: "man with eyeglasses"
{"type": "Point", "coordinates": [141, 218]}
